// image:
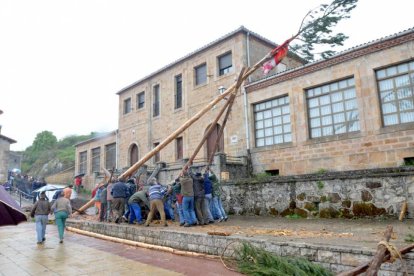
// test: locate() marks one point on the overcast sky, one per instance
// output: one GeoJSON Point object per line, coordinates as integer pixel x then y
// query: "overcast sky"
{"type": "Point", "coordinates": [62, 62]}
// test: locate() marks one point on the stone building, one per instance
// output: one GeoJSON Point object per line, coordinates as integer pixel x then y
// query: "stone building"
{"type": "Point", "coordinates": [349, 112]}
{"type": "Point", "coordinates": [94, 154]}
{"type": "Point", "coordinates": [352, 111]}
{"type": "Point", "coordinates": [153, 107]}
{"type": "Point", "coordinates": [5, 143]}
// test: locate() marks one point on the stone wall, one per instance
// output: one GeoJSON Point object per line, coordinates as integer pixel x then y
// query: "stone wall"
{"type": "Point", "coordinates": [334, 258]}
{"type": "Point", "coordinates": [330, 194]}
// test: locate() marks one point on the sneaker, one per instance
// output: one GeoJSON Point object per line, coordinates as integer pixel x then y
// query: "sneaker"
{"type": "Point", "coordinates": [39, 243]}
{"type": "Point", "coordinates": [125, 218]}
{"type": "Point", "coordinates": [211, 221]}
{"type": "Point", "coordinates": [182, 223]}
{"type": "Point", "coordinates": [43, 239]}
{"type": "Point", "coordinates": [61, 241]}
{"type": "Point", "coordinates": [186, 225]}
{"type": "Point", "coordinates": [225, 219]}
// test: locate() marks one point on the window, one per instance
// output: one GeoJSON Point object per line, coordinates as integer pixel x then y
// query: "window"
{"type": "Point", "coordinates": [83, 162]}
{"type": "Point", "coordinates": [396, 87]}
{"type": "Point", "coordinates": [179, 148]}
{"type": "Point", "coordinates": [201, 74]}
{"type": "Point", "coordinates": [332, 109]}
{"type": "Point", "coordinates": [127, 106]}
{"type": "Point", "coordinates": [157, 155]}
{"type": "Point", "coordinates": [110, 156]}
{"type": "Point", "coordinates": [96, 160]}
{"type": "Point", "coordinates": [225, 64]}
{"type": "Point", "coordinates": [156, 101]}
{"type": "Point", "coordinates": [178, 92]}
{"type": "Point", "coordinates": [272, 122]}
{"type": "Point", "coordinates": [140, 100]}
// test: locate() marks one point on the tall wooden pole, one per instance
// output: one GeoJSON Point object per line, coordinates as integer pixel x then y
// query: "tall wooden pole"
{"type": "Point", "coordinates": [197, 116]}
{"type": "Point", "coordinates": [206, 135]}
{"type": "Point", "coordinates": [223, 125]}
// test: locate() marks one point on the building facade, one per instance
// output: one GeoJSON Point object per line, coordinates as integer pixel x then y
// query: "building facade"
{"type": "Point", "coordinates": [352, 111]}
{"type": "Point", "coordinates": [155, 106]}
{"type": "Point", "coordinates": [94, 154]}
{"type": "Point", "coordinates": [5, 143]}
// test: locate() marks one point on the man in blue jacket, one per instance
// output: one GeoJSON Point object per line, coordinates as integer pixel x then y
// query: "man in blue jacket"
{"type": "Point", "coordinates": [119, 192]}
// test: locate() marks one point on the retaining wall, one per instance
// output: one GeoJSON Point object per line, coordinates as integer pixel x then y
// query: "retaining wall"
{"type": "Point", "coordinates": [334, 258]}
{"type": "Point", "coordinates": [362, 193]}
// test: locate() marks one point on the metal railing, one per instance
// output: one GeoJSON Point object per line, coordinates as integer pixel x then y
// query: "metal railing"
{"type": "Point", "coordinates": [21, 195]}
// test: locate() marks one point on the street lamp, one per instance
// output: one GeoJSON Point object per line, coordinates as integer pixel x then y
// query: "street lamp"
{"type": "Point", "coordinates": [221, 89]}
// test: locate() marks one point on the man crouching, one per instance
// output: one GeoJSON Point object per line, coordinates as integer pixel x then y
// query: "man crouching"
{"type": "Point", "coordinates": [156, 194]}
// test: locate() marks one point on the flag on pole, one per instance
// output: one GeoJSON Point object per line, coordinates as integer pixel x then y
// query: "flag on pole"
{"type": "Point", "coordinates": [278, 54]}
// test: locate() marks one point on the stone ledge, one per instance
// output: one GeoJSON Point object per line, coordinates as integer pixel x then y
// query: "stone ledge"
{"type": "Point", "coordinates": [336, 258]}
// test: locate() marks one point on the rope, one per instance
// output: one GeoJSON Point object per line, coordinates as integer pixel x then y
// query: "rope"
{"type": "Point", "coordinates": [394, 253]}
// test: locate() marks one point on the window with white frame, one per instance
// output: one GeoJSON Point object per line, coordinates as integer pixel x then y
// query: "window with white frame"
{"type": "Point", "coordinates": [333, 109]}
{"type": "Point", "coordinates": [272, 122]}
{"type": "Point", "coordinates": [127, 106]}
{"type": "Point", "coordinates": [200, 74]}
{"type": "Point", "coordinates": [225, 64]}
{"type": "Point", "coordinates": [396, 87]}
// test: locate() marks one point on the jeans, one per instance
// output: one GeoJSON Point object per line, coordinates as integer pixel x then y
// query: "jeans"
{"type": "Point", "coordinates": [188, 210]}
{"type": "Point", "coordinates": [168, 208]}
{"type": "Point", "coordinates": [180, 212]}
{"type": "Point", "coordinates": [108, 210]}
{"type": "Point", "coordinates": [41, 222]}
{"type": "Point", "coordinates": [219, 207]}
{"type": "Point", "coordinates": [208, 200]}
{"type": "Point", "coordinates": [135, 213]}
{"type": "Point", "coordinates": [60, 220]}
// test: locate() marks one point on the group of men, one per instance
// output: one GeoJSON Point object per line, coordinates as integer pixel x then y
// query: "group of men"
{"type": "Point", "coordinates": [194, 198]}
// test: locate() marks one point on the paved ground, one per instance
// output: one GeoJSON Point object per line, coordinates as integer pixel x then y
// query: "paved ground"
{"type": "Point", "coordinates": [81, 255]}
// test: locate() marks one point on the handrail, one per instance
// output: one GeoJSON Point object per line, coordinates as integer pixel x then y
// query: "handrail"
{"type": "Point", "coordinates": [21, 194]}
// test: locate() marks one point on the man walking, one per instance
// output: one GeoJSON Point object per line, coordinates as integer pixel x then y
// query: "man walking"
{"type": "Point", "coordinates": [40, 212]}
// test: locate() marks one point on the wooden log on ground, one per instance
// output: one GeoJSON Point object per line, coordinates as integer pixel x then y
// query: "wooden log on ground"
{"type": "Point", "coordinates": [82, 209]}
{"type": "Point", "coordinates": [141, 244]}
{"type": "Point", "coordinates": [380, 254]}
{"type": "Point", "coordinates": [403, 211]}
{"type": "Point", "coordinates": [362, 268]}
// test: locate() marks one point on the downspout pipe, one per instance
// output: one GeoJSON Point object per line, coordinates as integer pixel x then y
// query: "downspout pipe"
{"type": "Point", "coordinates": [245, 103]}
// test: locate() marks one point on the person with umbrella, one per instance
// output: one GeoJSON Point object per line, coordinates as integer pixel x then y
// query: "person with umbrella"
{"type": "Point", "coordinates": [40, 212]}
{"type": "Point", "coordinates": [78, 182]}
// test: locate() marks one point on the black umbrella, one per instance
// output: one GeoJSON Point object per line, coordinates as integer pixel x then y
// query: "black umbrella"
{"type": "Point", "coordinates": [10, 211]}
{"type": "Point", "coordinates": [79, 175]}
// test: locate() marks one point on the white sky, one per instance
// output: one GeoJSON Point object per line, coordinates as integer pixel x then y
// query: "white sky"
{"type": "Point", "coordinates": [61, 62]}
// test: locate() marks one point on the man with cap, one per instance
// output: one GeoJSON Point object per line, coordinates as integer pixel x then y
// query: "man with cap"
{"type": "Point", "coordinates": [40, 212]}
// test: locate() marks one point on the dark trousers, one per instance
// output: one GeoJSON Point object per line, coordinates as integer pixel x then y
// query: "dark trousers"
{"type": "Point", "coordinates": [118, 206]}
{"type": "Point", "coordinates": [102, 213]}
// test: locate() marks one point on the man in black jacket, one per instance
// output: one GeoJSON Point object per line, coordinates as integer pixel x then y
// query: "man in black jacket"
{"type": "Point", "coordinates": [40, 212]}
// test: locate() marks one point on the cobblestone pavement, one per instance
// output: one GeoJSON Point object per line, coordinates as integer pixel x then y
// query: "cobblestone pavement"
{"type": "Point", "coordinates": [81, 255]}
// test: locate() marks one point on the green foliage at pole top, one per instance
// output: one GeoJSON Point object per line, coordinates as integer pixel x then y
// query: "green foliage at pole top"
{"type": "Point", "coordinates": [256, 261]}
{"type": "Point", "coordinates": [317, 29]}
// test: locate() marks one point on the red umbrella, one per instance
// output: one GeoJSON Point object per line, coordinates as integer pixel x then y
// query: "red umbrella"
{"type": "Point", "coordinates": [10, 211]}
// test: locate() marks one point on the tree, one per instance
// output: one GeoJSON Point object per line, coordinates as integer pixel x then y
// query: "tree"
{"type": "Point", "coordinates": [316, 29]}
{"type": "Point", "coordinates": [44, 140]}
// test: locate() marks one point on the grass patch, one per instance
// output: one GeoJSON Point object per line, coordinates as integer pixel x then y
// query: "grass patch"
{"type": "Point", "coordinates": [255, 261]}
{"type": "Point", "coordinates": [409, 238]}
{"type": "Point", "coordinates": [293, 216]}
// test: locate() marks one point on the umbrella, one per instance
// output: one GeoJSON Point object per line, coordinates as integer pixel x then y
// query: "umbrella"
{"type": "Point", "coordinates": [47, 187]}
{"type": "Point", "coordinates": [10, 212]}
{"type": "Point", "coordinates": [79, 175]}
{"type": "Point", "coordinates": [15, 170]}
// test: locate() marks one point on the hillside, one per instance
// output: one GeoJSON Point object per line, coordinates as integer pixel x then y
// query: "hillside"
{"type": "Point", "coordinates": [48, 156]}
